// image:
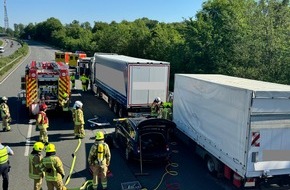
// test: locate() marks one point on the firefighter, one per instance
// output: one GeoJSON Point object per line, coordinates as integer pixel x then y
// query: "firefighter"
{"type": "Point", "coordinates": [85, 80]}
{"type": "Point", "coordinates": [99, 160]}
{"type": "Point", "coordinates": [166, 111]}
{"type": "Point", "coordinates": [4, 164]}
{"type": "Point", "coordinates": [73, 80]}
{"type": "Point", "coordinates": [35, 158]}
{"type": "Point", "coordinates": [42, 123]}
{"type": "Point", "coordinates": [78, 118]}
{"type": "Point", "coordinates": [53, 168]}
{"type": "Point", "coordinates": [155, 107]}
{"type": "Point", "coordinates": [5, 114]}
{"type": "Point", "coordinates": [65, 102]}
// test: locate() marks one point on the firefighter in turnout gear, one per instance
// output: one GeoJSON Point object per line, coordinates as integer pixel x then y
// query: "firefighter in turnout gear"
{"type": "Point", "coordinates": [53, 168]}
{"type": "Point", "coordinates": [4, 164]}
{"type": "Point", "coordinates": [78, 118]}
{"type": "Point", "coordinates": [42, 124]}
{"type": "Point", "coordinates": [5, 114]}
{"type": "Point", "coordinates": [85, 80]}
{"type": "Point", "coordinates": [165, 111]}
{"type": "Point", "coordinates": [35, 158]}
{"type": "Point", "coordinates": [99, 160]}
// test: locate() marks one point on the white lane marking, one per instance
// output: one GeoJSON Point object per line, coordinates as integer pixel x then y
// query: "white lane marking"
{"type": "Point", "coordinates": [78, 94]}
{"type": "Point", "coordinates": [28, 142]}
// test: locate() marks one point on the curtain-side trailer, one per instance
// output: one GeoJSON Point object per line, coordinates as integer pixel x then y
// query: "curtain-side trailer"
{"type": "Point", "coordinates": [241, 127]}
{"type": "Point", "coordinates": [128, 84]}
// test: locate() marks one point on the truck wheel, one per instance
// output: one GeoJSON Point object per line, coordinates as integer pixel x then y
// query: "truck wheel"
{"type": "Point", "coordinates": [210, 165]}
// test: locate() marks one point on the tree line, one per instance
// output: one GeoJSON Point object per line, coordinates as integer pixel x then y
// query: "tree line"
{"type": "Point", "coordinates": [248, 38]}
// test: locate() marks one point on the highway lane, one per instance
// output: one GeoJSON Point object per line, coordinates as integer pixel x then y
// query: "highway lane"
{"type": "Point", "coordinates": [189, 174]}
{"type": "Point", "coordinates": [9, 49]}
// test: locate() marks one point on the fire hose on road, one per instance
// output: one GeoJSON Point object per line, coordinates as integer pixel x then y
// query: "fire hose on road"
{"type": "Point", "coordinates": [88, 183]}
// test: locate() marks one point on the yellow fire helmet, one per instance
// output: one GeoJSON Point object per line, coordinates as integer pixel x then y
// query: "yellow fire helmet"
{"type": "Point", "coordinates": [50, 148]}
{"type": "Point", "coordinates": [99, 135]}
{"type": "Point", "coordinates": [38, 146]}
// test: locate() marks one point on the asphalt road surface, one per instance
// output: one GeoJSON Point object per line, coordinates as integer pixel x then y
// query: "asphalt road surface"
{"type": "Point", "coordinates": [8, 49]}
{"type": "Point", "coordinates": [186, 170]}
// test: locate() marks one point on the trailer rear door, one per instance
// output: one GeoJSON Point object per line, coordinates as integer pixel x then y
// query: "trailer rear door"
{"type": "Point", "coordinates": [269, 152]}
{"type": "Point", "coordinates": [147, 82]}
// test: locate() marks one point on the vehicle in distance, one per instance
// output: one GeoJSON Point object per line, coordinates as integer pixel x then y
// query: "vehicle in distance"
{"type": "Point", "coordinates": [2, 49]}
{"type": "Point", "coordinates": [144, 138]}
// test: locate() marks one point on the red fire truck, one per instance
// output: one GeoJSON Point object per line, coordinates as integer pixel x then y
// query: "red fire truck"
{"type": "Point", "coordinates": [45, 82]}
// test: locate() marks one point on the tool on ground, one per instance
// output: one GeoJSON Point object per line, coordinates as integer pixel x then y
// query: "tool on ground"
{"type": "Point", "coordinates": [98, 121]}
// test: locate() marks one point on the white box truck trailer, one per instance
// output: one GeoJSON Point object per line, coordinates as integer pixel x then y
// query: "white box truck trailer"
{"type": "Point", "coordinates": [128, 84]}
{"type": "Point", "coordinates": [241, 127]}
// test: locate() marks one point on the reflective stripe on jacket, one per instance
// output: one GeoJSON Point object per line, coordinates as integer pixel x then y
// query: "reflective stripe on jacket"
{"type": "Point", "coordinates": [34, 166]}
{"type": "Point", "coordinates": [54, 163]}
{"type": "Point", "coordinates": [4, 155]}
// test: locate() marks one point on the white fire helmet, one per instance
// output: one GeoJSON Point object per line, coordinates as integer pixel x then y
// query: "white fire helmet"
{"type": "Point", "coordinates": [78, 104]}
{"type": "Point", "coordinates": [157, 99]}
{"type": "Point", "coordinates": [4, 98]}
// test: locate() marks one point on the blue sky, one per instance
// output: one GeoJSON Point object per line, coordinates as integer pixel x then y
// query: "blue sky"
{"type": "Point", "coordinates": [32, 11]}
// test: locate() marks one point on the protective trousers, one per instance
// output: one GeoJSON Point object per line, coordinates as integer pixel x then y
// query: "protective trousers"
{"type": "Point", "coordinates": [6, 124]}
{"type": "Point", "coordinates": [79, 131]}
{"type": "Point", "coordinates": [43, 137]}
{"type": "Point", "coordinates": [100, 171]}
{"type": "Point", "coordinates": [37, 184]}
{"type": "Point", "coordinates": [4, 169]}
{"type": "Point", "coordinates": [55, 184]}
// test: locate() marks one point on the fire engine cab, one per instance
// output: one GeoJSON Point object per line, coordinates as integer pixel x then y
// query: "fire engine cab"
{"type": "Point", "coordinates": [70, 58]}
{"type": "Point", "coordinates": [45, 82]}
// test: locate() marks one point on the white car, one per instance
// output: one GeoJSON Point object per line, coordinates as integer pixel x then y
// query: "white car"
{"type": "Point", "coordinates": [2, 49]}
